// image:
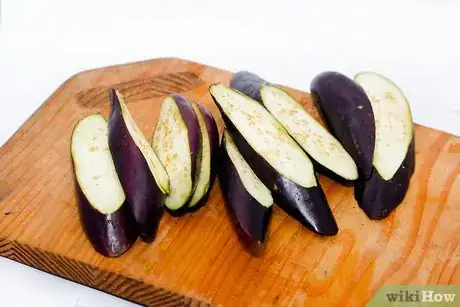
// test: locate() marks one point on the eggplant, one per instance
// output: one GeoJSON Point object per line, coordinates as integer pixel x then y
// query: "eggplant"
{"type": "Point", "coordinates": [246, 196]}
{"type": "Point", "coordinates": [248, 84]}
{"type": "Point", "coordinates": [276, 159]}
{"type": "Point", "coordinates": [177, 142]}
{"type": "Point", "coordinates": [327, 154]}
{"type": "Point", "coordinates": [347, 111]}
{"type": "Point", "coordinates": [105, 214]}
{"type": "Point", "coordinates": [210, 146]}
{"type": "Point", "coordinates": [394, 155]}
{"type": "Point", "coordinates": [143, 177]}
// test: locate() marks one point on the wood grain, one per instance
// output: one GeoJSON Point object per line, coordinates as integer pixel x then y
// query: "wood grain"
{"type": "Point", "coordinates": [79, 272]}
{"type": "Point", "coordinates": [198, 258]}
{"type": "Point", "coordinates": [156, 86]}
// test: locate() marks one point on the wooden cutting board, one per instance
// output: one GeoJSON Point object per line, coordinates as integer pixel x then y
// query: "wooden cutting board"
{"type": "Point", "coordinates": [198, 258]}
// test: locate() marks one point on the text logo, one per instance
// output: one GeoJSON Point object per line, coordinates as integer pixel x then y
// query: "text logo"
{"type": "Point", "coordinates": [416, 296]}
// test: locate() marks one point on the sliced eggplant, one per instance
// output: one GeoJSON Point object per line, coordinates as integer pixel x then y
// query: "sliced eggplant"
{"type": "Point", "coordinates": [317, 142]}
{"type": "Point", "coordinates": [247, 197]}
{"type": "Point", "coordinates": [328, 155]}
{"type": "Point", "coordinates": [104, 211]}
{"type": "Point", "coordinates": [210, 144]}
{"type": "Point", "coordinates": [143, 177]}
{"type": "Point", "coordinates": [347, 111]}
{"type": "Point", "coordinates": [177, 142]}
{"type": "Point", "coordinates": [394, 155]}
{"type": "Point", "coordinates": [276, 159]}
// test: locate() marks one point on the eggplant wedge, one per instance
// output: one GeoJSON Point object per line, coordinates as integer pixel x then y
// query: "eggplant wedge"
{"type": "Point", "coordinates": [246, 196]}
{"type": "Point", "coordinates": [347, 111]}
{"type": "Point", "coordinates": [276, 159]}
{"type": "Point", "coordinates": [394, 155]}
{"type": "Point", "coordinates": [143, 177]}
{"type": "Point", "coordinates": [104, 211]}
{"type": "Point", "coordinates": [210, 146]}
{"type": "Point", "coordinates": [326, 152]}
{"type": "Point", "coordinates": [177, 142]}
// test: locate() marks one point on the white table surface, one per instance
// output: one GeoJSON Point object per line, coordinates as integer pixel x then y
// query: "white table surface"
{"type": "Point", "coordinates": [42, 43]}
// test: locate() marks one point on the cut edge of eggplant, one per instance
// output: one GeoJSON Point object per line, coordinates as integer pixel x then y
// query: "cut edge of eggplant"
{"type": "Point", "coordinates": [105, 213]}
{"type": "Point", "coordinates": [143, 190]}
{"type": "Point", "coordinates": [172, 143]}
{"type": "Point", "coordinates": [393, 122]}
{"type": "Point", "coordinates": [247, 199]}
{"type": "Point", "coordinates": [308, 205]}
{"type": "Point", "coordinates": [317, 142]}
{"type": "Point", "coordinates": [96, 176]}
{"type": "Point", "coordinates": [209, 141]}
{"type": "Point", "coordinates": [277, 147]}
{"type": "Point", "coordinates": [156, 167]}
{"type": "Point", "coordinates": [249, 179]}
{"type": "Point", "coordinates": [388, 185]}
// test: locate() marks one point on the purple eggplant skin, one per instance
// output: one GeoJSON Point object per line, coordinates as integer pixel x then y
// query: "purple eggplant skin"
{"type": "Point", "coordinates": [308, 206]}
{"type": "Point", "coordinates": [248, 83]}
{"type": "Point", "coordinates": [378, 197]}
{"type": "Point", "coordinates": [347, 111]}
{"type": "Point", "coordinates": [142, 192]}
{"type": "Point", "coordinates": [193, 128]}
{"type": "Point", "coordinates": [112, 234]}
{"type": "Point", "coordinates": [252, 216]}
{"type": "Point", "coordinates": [213, 135]}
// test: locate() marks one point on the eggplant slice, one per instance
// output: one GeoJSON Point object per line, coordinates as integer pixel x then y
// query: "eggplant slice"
{"type": "Point", "coordinates": [328, 155]}
{"type": "Point", "coordinates": [104, 211]}
{"type": "Point", "coordinates": [143, 177]}
{"type": "Point", "coordinates": [276, 159]}
{"type": "Point", "coordinates": [394, 155]}
{"type": "Point", "coordinates": [317, 142]}
{"type": "Point", "coordinates": [210, 144]}
{"type": "Point", "coordinates": [247, 197]}
{"type": "Point", "coordinates": [177, 142]}
{"type": "Point", "coordinates": [347, 111]}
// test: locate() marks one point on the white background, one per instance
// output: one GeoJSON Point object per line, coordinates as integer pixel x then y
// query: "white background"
{"type": "Point", "coordinates": [42, 43]}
